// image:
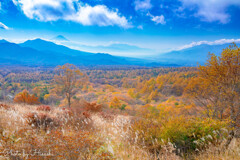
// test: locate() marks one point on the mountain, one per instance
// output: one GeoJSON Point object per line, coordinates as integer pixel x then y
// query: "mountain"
{"type": "Point", "coordinates": [118, 47]}
{"type": "Point", "coordinates": [115, 48]}
{"type": "Point", "coordinates": [47, 46]}
{"type": "Point", "coordinates": [13, 53]}
{"type": "Point", "coordinates": [40, 52]}
{"type": "Point", "coordinates": [3, 41]}
{"type": "Point", "coordinates": [60, 38]}
{"type": "Point", "coordinates": [192, 56]}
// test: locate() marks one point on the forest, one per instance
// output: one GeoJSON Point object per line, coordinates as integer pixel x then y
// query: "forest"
{"type": "Point", "coordinates": [122, 112]}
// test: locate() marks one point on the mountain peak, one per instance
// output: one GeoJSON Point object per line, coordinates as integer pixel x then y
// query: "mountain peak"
{"type": "Point", "coordinates": [3, 41]}
{"type": "Point", "coordinates": [38, 39]}
{"type": "Point", "coordinates": [44, 45]}
{"type": "Point", "coordinates": [38, 42]}
{"type": "Point", "coordinates": [60, 38]}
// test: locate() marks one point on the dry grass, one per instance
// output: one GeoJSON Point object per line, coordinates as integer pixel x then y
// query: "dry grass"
{"type": "Point", "coordinates": [216, 153]}
{"type": "Point", "coordinates": [25, 128]}
{"type": "Point", "coordinates": [77, 136]}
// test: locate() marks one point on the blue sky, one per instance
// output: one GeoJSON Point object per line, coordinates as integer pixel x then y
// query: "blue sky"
{"type": "Point", "coordinates": [154, 26]}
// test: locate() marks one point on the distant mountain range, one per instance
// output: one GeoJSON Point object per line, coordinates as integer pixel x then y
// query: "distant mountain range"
{"type": "Point", "coordinates": [42, 52]}
{"type": "Point", "coordinates": [193, 55]}
{"type": "Point", "coordinates": [114, 48]}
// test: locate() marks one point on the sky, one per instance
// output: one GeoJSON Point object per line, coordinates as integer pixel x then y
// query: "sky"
{"type": "Point", "coordinates": [122, 27]}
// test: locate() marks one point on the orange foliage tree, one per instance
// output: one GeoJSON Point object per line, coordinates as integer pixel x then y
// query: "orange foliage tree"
{"type": "Point", "coordinates": [68, 78]}
{"type": "Point", "coordinates": [26, 98]}
{"type": "Point", "coordinates": [217, 87]}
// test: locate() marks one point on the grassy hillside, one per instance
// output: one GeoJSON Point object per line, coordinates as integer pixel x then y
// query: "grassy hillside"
{"type": "Point", "coordinates": [59, 132]}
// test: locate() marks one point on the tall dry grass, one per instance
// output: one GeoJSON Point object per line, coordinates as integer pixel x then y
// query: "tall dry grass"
{"type": "Point", "coordinates": [99, 135]}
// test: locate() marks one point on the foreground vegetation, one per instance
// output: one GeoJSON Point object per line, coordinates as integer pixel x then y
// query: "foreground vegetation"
{"type": "Point", "coordinates": [134, 113]}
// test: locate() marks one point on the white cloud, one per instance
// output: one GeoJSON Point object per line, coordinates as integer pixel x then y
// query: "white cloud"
{"type": "Point", "coordinates": [3, 26]}
{"type": "Point", "coordinates": [98, 15]}
{"type": "Point", "coordinates": [142, 5]}
{"type": "Point", "coordinates": [71, 10]}
{"type": "Point", "coordinates": [216, 42]}
{"type": "Point", "coordinates": [211, 10]}
{"type": "Point", "coordinates": [157, 19]}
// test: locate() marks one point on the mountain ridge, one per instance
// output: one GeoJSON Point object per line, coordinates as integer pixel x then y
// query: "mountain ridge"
{"type": "Point", "coordinates": [41, 52]}
{"type": "Point", "coordinates": [44, 45]}
{"type": "Point", "coordinates": [193, 55]}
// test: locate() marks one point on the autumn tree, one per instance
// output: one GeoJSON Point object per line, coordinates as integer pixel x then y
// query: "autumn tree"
{"type": "Point", "coordinates": [217, 87]}
{"type": "Point", "coordinates": [131, 93]}
{"type": "Point", "coordinates": [115, 103]}
{"type": "Point", "coordinates": [68, 79]}
{"type": "Point", "coordinates": [26, 98]}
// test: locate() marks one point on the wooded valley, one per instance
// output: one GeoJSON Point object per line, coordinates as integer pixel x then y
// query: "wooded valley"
{"type": "Point", "coordinates": [122, 112]}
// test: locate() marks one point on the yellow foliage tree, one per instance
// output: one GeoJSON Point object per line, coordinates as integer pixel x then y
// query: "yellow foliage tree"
{"type": "Point", "coordinates": [115, 103]}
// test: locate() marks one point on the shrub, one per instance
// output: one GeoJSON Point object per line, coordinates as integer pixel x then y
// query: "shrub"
{"type": "Point", "coordinates": [40, 121]}
{"type": "Point", "coordinates": [123, 107]}
{"type": "Point", "coordinates": [92, 107]}
{"type": "Point", "coordinates": [115, 103]}
{"type": "Point", "coordinates": [26, 98]}
{"type": "Point", "coordinates": [44, 108]}
{"type": "Point", "coordinates": [157, 128]}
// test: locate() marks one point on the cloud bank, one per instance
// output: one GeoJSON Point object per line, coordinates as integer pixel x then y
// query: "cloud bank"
{"type": "Point", "coordinates": [72, 10]}
{"type": "Point", "coordinates": [217, 42]}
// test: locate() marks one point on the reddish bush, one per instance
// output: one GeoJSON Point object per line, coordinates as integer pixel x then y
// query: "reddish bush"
{"type": "Point", "coordinates": [44, 108]}
{"type": "Point", "coordinates": [79, 106]}
{"type": "Point", "coordinates": [5, 106]}
{"type": "Point", "coordinates": [40, 120]}
{"type": "Point", "coordinates": [26, 98]}
{"type": "Point", "coordinates": [92, 107]}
